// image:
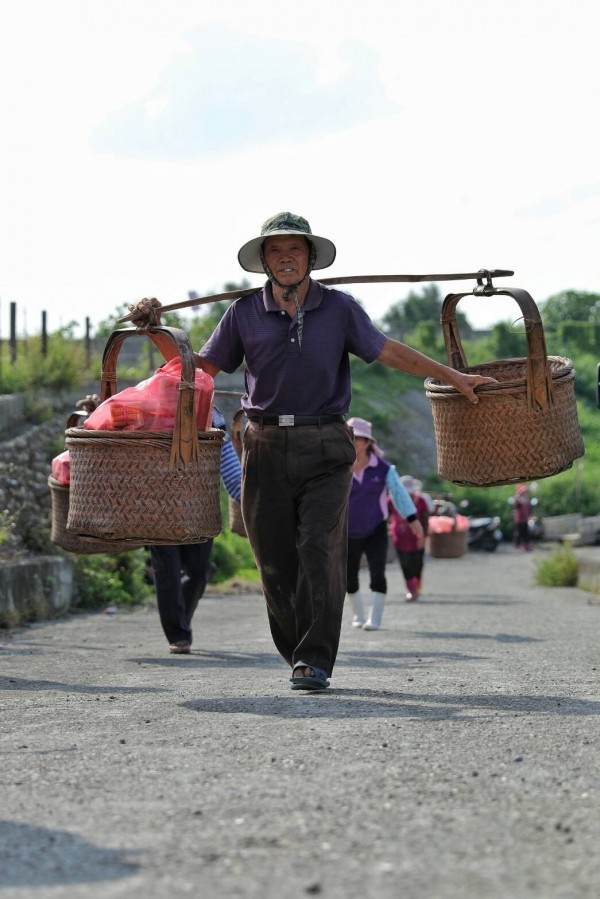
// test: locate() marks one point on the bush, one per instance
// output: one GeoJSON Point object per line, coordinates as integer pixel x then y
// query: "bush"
{"type": "Point", "coordinates": [559, 569]}
{"type": "Point", "coordinates": [232, 557]}
{"type": "Point", "coordinates": [60, 368]}
{"type": "Point", "coordinates": [111, 580]}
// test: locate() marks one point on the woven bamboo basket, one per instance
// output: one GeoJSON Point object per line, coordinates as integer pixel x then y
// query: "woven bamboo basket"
{"type": "Point", "coordinates": [147, 487]}
{"type": "Point", "coordinates": [236, 522]}
{"type": "Point", "coordinates": [73, 543]}
{"type": "Point", "coordinates": [524, 428]}
{"type": "Point", "coordinates": [448, 546]}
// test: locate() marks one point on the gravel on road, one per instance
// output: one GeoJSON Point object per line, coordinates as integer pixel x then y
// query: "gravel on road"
{"type": "Point", "coordinates": [455, 755]}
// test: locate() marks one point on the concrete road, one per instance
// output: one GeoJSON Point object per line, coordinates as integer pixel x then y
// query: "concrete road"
{"type": "Point", "coordinates": [456, 755]}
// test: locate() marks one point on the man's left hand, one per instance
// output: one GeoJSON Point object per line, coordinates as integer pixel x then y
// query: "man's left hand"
{"type": "Point", "coordinates": [466, 384]}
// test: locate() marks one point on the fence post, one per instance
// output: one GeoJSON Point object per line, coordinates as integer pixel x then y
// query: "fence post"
{"type": "Point", "coordinates": [44, 334]}
{"type": "Point", "coordinates": [13, 333]}
{"type": "Point", "coordinates": [88, 344]}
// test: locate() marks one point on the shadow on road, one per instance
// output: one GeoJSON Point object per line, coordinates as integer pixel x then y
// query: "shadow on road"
{"type": "Point", "coordinates": [367, 703]}
{"type": "Point", "coordinates": [40, 856]}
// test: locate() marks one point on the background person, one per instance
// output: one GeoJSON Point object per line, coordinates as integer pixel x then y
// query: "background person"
{"type": "Point", "coordinates": [410, 546]}
{"type": "Point", "coordinates": [375, 482]}
{"type": "Point", "coordinates": [521, 516]}
{"type": "Point", "coordinates": [294, 337]}
{"type": "Point", "coordinates": [181, 573]}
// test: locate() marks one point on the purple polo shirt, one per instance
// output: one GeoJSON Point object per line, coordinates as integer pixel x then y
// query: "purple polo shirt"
{"type": "Point", "coordinates": [281, 377]}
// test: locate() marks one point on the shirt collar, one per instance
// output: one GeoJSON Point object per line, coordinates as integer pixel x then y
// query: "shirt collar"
{"type": "Point", "coordinates": [313, 297]}
{"type": "Point", "coordinates": [373, 461]}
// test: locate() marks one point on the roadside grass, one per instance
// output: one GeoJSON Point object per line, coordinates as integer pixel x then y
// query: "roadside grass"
{"type": "Point", "coordinates": [559, 569]}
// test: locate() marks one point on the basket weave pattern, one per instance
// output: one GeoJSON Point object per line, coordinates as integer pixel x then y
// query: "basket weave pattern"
{"type": "Point", "coordinates": [122, 487]}
{"type": "Point", "coordinates": [448, 546]}
{"type": "Point", "coordinates": [524, 428]}
{"type": "Point", "coordinates": [60, 536]}
{"type": "Point", "coordinates": [501, 440]}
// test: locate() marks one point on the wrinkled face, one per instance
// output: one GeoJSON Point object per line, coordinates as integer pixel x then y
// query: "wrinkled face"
{"type": "Point", "coordinates": [287, 257]}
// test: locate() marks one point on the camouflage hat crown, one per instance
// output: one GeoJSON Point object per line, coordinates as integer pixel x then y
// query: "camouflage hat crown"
{"type": "Point", "coordinates": [282, 224]}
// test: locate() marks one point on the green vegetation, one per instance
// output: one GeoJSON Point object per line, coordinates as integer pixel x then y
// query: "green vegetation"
{"type": "Point", "coordinates": [232, 558]}
{"type": "Point", "coordinates": [61, 366]}
{"type": "Point", "coordinates": [121, 579]}
{"type": "Point", "coordinates": [7, 527]}
{"type": "Point", "coordinates": [559, 569]}
{"type": "Point", "coordinates": [104, 579]}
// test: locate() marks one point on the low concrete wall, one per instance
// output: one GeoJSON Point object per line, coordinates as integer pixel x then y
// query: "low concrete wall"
{"type": "Point", "coordinates": [584, 528]}
{"type": "Point", "coordinates": [35, 589]}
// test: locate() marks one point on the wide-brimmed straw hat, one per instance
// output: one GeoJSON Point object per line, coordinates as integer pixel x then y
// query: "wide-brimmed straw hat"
{"type": "Point", "coordinates": [280, 225]}
{"type": "Point", "coordinates": [364, 428]}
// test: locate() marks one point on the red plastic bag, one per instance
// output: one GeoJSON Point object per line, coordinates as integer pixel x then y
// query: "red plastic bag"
{"type": "Point", "coordinates": [61, 468]}
{"type": "Point", "coordinates": [152, 404]}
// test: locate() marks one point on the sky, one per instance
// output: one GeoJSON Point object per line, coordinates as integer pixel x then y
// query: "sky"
{"type": "Point", "coordinates": [142, 142]}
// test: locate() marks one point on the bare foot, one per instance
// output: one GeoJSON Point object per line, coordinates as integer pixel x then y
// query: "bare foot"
{"type": "Point", "coordinates": [303, 672]}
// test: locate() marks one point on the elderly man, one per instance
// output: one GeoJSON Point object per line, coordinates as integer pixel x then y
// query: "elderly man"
{"type": "Point", "coordinates": [294, 337]}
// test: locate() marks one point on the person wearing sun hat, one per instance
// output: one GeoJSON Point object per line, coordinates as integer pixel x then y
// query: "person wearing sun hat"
{"type": "Point", "coordinates": [521, 516]}
{"type": "Point", "coordinates": [409, 547]}
{"type": "Point", "coordinates": [375, 485]}
{"type": "Point", "coordinates": [294, 337]}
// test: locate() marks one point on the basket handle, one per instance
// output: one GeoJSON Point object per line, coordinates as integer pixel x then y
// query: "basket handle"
{"type": "Point", "coordinates": [540, 392]}
{"type": "Point", "coordinates": [184, 444]}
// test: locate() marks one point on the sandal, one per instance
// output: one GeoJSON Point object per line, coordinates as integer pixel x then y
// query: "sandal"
{"type": "Point", "coordinates": [318, 680]}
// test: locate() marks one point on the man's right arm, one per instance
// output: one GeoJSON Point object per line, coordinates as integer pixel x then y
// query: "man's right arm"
{"type": "Point", "coordinates": [205, 365]}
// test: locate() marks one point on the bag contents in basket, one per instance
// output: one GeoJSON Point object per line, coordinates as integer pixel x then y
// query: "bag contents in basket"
{"type": "Point", "coordinates": [61, 468]}
{"type": "Point", "coordinates": [446, 524]}
{"type": "Point", "coordinates": [152, 404]}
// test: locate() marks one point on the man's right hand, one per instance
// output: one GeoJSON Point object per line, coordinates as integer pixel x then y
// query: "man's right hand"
{"type": "Point", "coordinates": [144, 314]}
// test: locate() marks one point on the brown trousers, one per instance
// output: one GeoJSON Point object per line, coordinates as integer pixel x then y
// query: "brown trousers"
{"type": "Point", "coordinates": [295, 488]}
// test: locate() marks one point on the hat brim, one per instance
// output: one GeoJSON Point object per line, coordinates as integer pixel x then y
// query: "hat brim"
{"type": "Point", "coordinates": [411, 485]}
{"type": "Point", "coordinates": [249, 255]}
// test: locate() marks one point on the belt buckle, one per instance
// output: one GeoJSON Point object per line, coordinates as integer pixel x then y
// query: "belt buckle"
{"type": "Point", "coordinates": [286, 421]}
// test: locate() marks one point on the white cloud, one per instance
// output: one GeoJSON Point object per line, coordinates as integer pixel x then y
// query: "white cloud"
{"type": "Point", "coordinates": [230, 90]}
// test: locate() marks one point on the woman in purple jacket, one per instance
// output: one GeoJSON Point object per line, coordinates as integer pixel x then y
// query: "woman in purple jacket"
{"type": "Point", "coordinates": [373, 481]}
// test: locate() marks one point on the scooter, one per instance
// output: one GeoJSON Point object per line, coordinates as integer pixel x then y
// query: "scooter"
{"type": "Point", "coordinates": [485, 533]}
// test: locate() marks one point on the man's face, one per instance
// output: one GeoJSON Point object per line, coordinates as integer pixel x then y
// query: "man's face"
{"type": "Point", "coordinates": [287, 257]}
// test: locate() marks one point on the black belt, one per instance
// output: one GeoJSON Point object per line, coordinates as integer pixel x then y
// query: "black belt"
{"type": "Point", "coordinates": [293, 421]}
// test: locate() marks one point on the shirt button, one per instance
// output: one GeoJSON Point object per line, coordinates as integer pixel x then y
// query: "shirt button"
{"type": "Point", "coordinates": [293, 340]}
{"type": "Point", "coordinates": [283, 312]}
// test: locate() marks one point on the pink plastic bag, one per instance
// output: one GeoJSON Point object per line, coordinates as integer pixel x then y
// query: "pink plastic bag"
{"type": "Point", "coordinates": [446, 524]}
{"type": "Point", "coordinates": [462, 523]}
{"type": "Point", "coordinates": [152, 404]}
{"type": "Point", "coordinates": [441, 524]}
{"type": "Point", "coordinates": [61, 468]}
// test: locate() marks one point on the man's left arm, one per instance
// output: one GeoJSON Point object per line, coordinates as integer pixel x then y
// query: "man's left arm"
{"type": "Point", "coordinates": [403, 358]}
